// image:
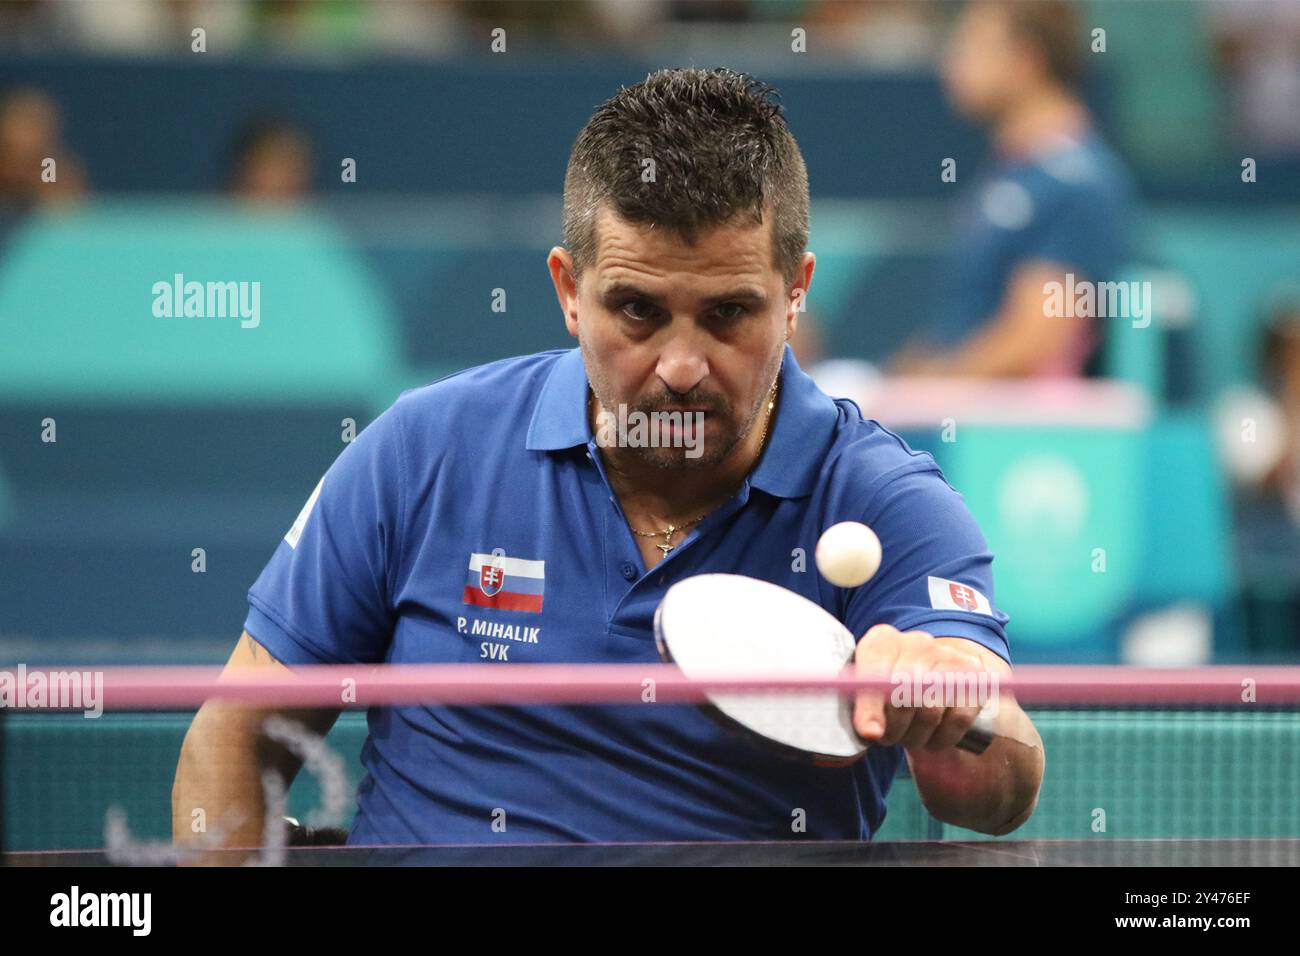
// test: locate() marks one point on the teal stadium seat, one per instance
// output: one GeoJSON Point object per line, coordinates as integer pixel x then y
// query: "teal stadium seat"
{"type": "Point", "coordinates": [76, 307]}
{"type": "Point", "coordinates": [174, 433]}
{"type": "Point", "coordinates": [1061, 508]}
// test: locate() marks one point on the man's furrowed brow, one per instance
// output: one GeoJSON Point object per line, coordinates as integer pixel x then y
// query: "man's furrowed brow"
{"type": "Point", "coordinates": [750, 294]}
{"type": "Point", "coordinates": [629, 290]}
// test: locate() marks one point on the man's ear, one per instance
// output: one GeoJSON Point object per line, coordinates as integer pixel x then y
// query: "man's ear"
{"type": "Point", "coordinates": [560, 264]}
{"type": "Point", "coordinates": [798, 300]}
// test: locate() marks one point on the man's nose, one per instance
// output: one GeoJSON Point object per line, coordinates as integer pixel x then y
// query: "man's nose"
{"type": "Point", "coordinates": [682, 365]}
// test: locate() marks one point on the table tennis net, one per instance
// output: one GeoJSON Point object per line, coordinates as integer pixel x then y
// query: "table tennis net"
{"type": "Point", "coordinates": [1140, 764]}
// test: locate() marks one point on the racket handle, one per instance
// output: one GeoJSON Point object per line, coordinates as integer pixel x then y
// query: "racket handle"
{"type": "Point", "coordinates": [979, 736]}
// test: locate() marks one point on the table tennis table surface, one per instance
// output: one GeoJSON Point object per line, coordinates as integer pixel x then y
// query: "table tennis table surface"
{"type": "Point", "coordinates": [1102, 851]}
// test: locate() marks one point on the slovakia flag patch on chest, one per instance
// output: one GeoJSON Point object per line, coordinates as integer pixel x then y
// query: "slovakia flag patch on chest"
{"type": "Point", "coordinates": [510, 584]}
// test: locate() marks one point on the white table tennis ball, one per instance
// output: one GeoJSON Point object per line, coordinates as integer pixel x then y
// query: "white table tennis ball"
{"type": "Point", "coordinates": [848, 554]}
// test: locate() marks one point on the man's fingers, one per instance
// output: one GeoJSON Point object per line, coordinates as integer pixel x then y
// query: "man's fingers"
{"type": "Point", "coordinates": [925, 721]}
{"type": "Point", "coordinates": [956, 721]}
{"type": "Point", "coordinates": [874, 657]}
{"type": "Point", "coordinates": [919, 718]}
{"type": "Point", "coordinates": [944, 723]}
{"type": "Point", "coordinates": [910, 722]}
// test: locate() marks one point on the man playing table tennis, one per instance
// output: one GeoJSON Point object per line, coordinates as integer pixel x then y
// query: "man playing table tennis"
{"type": "Point", "coordinates": [490, 518]}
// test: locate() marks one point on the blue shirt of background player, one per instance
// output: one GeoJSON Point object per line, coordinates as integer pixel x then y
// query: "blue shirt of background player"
{"type": "Point", "coordinates": [1070, 205]}
{"type": "Point", "coordinates": [502, 457]}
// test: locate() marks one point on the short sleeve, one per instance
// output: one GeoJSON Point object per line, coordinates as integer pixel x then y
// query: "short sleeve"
{"type": "Point", "coordinates": [324, 597]}
{"type": "Point", "coordinates": [1085, 233]}
{"type": "Point", "coordinates": [936, 574]}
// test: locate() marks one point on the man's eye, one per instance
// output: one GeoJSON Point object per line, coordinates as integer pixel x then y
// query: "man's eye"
{"type": "Point", "coordinates": [730, 311]}
{"type": "Point", "coordinates": [629, 309]}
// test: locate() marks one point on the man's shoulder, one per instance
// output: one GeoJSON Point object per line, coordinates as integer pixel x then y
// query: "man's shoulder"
{"type": "Point", "coordinates": [866, 455]}
{"type": "Point", "coordinates": [873, 475]}
{"type": "Point", "coordinates": [520, 376]}
{"type": "Point", "coordinates": [476, 409]}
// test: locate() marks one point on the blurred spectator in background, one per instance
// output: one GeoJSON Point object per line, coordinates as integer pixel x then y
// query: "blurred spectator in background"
{"type": "Point", "coordinates": [30, 135]}
{"type": "Point", "coordinates": [290, 27]}
{"type": "Point", "coordinates": [26, 24]}
{"type": "Point", "coordinates": [1259, 441]}
{"type": "Point", "coordinates": [1258, 47]}
{"type": "Point", "coordinates": [710, 11]}
{"type": "Point", "coordinates": [559, 21]}
{"type": "Point", "coordinates": [883, 33]}
{"type": "Point", "coordinates": [1280, 377]}
{"type": "Point", "coordinates": [1054, 209]}
{"type": "Point", "coordinates": [272, 163]}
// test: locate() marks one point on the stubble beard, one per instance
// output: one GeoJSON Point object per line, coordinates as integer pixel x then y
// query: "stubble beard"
{"type": "Point", "coordinates": [713, 452]}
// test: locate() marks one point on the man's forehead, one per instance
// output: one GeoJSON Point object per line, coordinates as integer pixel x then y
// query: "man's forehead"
{"type": "Point", "coordinates": [740, 248]}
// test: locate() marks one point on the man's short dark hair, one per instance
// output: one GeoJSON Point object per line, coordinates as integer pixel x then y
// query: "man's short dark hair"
{"type": "Point", "coordinates": [720, 148]}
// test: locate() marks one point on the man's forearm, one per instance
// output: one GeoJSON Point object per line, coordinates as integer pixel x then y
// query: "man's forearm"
{"type": "Point", "coordinates": [218, 785]}
{"type": "Point", "coordinates": [993, 792]}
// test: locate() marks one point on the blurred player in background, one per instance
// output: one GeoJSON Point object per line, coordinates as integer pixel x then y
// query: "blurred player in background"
{"type": "Point", "coordinates": [1264, 463]}
{"type": "Point", "coordinates": [31, 136]}
{"type": "Point", "coordinates": [272, 163]}
{"type": "Point", "coordinates": [1055, 206]}
{"type": "Point", "coordinates": [1280, 361]}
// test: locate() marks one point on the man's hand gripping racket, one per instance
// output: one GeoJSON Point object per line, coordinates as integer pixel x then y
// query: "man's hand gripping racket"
{"type": "Point", "coordinates": [715, 625]}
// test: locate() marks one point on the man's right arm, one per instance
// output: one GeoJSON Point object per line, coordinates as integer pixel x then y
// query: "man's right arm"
{"type": "Point", "coordinates": [218, 784]}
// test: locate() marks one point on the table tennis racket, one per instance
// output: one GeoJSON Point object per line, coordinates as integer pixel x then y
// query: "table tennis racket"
{"type": "Point", "coordinates": [718, 625]}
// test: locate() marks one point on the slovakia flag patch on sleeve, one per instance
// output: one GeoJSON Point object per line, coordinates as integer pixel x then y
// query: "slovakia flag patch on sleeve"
{"type": "Point", "coordinates": [954, 596]}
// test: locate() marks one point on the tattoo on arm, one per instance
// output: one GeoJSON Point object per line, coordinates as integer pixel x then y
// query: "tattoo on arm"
{"type": "Point", "coordinates": [258, 651]}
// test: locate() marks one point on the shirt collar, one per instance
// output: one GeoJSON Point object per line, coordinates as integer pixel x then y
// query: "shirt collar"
{"type": "Point", "coordinates": [560, 415]}
{"type": "Point", "coordinates": [790, 464]}
{"type": "Point", "coordinates": [805, 424]}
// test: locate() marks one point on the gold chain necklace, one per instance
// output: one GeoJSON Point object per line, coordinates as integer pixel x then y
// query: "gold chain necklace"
{"type": "Point", "coordinates": [668, 532]}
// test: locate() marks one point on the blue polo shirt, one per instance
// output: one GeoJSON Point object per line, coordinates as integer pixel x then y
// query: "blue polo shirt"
{"type": "Point", "coordinates": [385, 564]}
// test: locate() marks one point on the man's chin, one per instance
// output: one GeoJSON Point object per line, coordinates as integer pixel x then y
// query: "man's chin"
{"type": "Point", "coordinates": [681, 459]}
